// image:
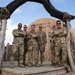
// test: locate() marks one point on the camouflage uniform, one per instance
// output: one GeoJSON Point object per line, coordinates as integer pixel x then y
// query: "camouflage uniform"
{"type": "Point", "coordinates": [42, 40]}
{"type": "Point", "coordinates": [32, 48]}
{"type": "Point", "coordinates": [18, 44]}
{"type": "Point", "coordinates": [52, 45]}
{"type": "Point", "coordinates": [60, 44]}
{"type": "Point", "coordinates": [25, 46]}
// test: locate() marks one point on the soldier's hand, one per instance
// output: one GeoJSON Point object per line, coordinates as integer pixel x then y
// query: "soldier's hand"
{"type": "Point", "coordinates": [20, 33]}
{"type": "Point", "coordinates": [33, 35]}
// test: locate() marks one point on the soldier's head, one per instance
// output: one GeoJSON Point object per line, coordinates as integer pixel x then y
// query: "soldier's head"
{"type": "Point", "coordinates": [33, 27]}
{"type": "Point", "coordinates": [40, 27]}
{"type": "Point", "coordinates": [58, 23]}
{"type": "Point", "coordinates": [25, 27]}
{"type": "Point", "coordinates": [20, 26]}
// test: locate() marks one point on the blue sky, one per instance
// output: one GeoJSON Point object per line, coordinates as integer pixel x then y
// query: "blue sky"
{"type": "Point", "coordinates": [31, 11]}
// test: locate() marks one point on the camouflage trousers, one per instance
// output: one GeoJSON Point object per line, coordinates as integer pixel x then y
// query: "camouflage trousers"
{"type": "Point", "coordinates": [60, 53]}
{"type": "Point", "coordinates": [33, 53]}
{"type": "Point", "coordinates": [52, 46]}
{"type": "Point", "coordinates": [15, 48]}
{"type": "Point", "coordinates": [25, 52]}
{"type": "Point", "coordinates": [42, 50]}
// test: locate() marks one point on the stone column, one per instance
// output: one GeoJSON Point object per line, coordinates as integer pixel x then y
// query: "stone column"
{"type": "Point", "coordinates": [3, 24]}
{"type": "Point", "coordinates": [68, 47]}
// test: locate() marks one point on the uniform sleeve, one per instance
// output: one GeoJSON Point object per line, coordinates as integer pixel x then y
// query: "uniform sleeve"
{"type": "Point", "coordinates": [37, 34]}
{"type": "Point", "coordinates": [15, 33]}
{"type": "Point", "coordinates": [25, 34]}
{"type": "Point", "coordinates": [56, 33]}
{"type": "Point", "coordinates": [63, 32]}
{"type": "Point", "coordinates": [51, 34]}
{"type": "Point", "coordinates": [28, 35]}
{"type": "Point", "coordinates": [45, 38]}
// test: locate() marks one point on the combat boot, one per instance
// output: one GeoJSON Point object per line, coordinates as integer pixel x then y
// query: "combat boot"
{"type": "Point", "coordinates": [41, 64]}
{"type": "Point", "coordinates": [11, 65]}
{"type": "Point", "coordinates": [30, 64]}
{"type": "Point", "coordinates": [37, 65]}
{"type": "Point", "coordinates": [21, 65]}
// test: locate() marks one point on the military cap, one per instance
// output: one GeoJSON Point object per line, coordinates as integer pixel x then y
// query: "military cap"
{"type": "Point", "coordinates": [58, 22]}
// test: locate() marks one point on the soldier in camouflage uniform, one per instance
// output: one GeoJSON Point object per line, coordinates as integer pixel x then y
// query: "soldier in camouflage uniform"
{"type": "Point", "coordinates": [18, 44]}
{"type": "Point", "coordinates": [52, 44]}
{"type": "Point", "coordinates": [33, 47]}
{"type": "Point", "coordinates": [25, 43]}
{"type": "Point", "coordinates": [60, 45]}
{"type": "Point", "coordinates": [42, 40]}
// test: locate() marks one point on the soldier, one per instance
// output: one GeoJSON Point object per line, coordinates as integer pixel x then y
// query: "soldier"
{"type": "Point", "coordinates": [52, 44]}
{"type": "Point", "coordinates": [42, 40]}
{"type": "Point", "coordinates": [25, 43]}
{"type": "Point", "coordinates": [33, 47]}
{"type": "Point", "coordinates": [18, 44]}
{"type": "Point", "coordinates": [60, 45]}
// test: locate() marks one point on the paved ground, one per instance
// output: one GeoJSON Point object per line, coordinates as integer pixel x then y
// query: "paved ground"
{"type": "Point", "coordinates": [71, 73]}
{"type": "Point", "coordinates": [45, 66]}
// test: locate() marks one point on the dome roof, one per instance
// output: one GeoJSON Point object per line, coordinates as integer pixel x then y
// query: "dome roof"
{"type": "Point", "coordinates": [43, 21]}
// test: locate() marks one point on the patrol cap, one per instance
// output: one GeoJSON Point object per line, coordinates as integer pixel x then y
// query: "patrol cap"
{"type": "Point", "coordinates": [40, 26]}
{"type": "Point", "coordinates": [58, 22]}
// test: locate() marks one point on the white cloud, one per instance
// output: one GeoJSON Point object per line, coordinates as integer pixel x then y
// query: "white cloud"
{"type": "Point", "coordinates": [10, 27]}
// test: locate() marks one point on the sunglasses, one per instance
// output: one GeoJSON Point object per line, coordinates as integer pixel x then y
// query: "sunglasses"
{"type": "Point", "coordinates": [20, 26]}
{"type": "Point", "coordinates": [24, 27]}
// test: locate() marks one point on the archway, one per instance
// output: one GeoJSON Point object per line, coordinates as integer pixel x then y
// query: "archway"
{"type": "Point", "coordinates": [5, 13]}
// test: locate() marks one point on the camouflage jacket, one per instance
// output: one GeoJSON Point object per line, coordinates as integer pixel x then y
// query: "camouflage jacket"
{"type": "Point", "coordinates": [51, 35]}
{"type": "Point", "coordinates": [31, 40]}
{"type": "Point", "coordinates": [18, 36]}
{"type": "Point", "coordinates": [42, 39]}
{"type": "Point", "coordinates": [60, 34]}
